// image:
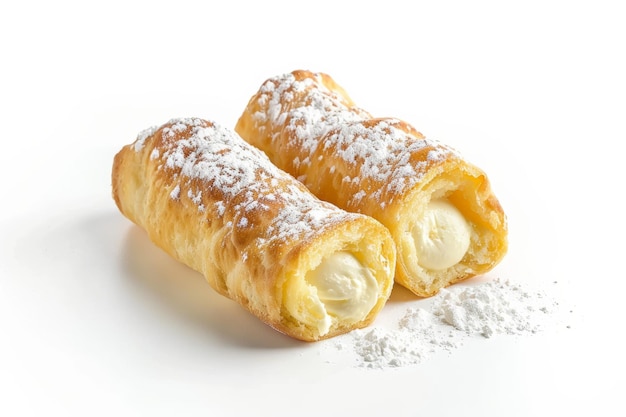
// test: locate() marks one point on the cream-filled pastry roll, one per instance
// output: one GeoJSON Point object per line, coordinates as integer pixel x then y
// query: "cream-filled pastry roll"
{"type": "Point", "coordinates": [445, 220]}
{"type": "Point", "coordinates": [217, 204]}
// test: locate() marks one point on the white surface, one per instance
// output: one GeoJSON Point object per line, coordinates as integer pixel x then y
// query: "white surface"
{"type": "Point", "coordinates": [94, 320]}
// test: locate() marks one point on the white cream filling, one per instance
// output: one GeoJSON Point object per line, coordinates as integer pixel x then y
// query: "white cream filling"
{"type": "Point", "coordinates": [340, 288]}
{"type": "Point", "coordinates": [347, 289]}
{"type": "Point", "coordinates": [442, 236]}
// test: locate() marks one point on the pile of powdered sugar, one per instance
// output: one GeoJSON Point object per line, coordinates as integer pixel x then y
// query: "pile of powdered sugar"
{"type": "Point", "coordinates": [484, 310]}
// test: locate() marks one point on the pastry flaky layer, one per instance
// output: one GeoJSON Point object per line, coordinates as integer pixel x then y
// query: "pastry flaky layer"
{"type": "Point", "coordinates": [218, 205]}
{"type": "Point", "coordinates": [445, 220]}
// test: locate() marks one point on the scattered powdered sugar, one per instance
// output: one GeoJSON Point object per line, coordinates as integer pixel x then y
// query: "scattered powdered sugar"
{"type": "Point", "coordinates": [496, 307]}
{"type": "Point", "coordinates": [377, 347]}
{"type": "Point", "coordinates": [485, 310]}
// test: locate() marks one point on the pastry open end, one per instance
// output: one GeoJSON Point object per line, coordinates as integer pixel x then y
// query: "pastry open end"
{"type": "Point", "coordinates": [215, 203]}
{"type": "Point", "coordinates": [445, 220]}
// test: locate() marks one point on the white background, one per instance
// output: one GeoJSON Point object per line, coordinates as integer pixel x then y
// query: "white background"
{"type": "Point", "coordinates": [94, 320]}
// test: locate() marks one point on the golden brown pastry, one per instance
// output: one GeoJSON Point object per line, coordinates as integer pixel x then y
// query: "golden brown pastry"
{"type": "Point", "coordinates": [218, 205]}
{"type": "Point", "coordinates": [440, 209]}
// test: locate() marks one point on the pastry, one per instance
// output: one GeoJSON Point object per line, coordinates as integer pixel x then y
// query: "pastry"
{"type": "Point", "coordinates": [215, 203]}
{"type": "Point", "coordinates": [445, 220]}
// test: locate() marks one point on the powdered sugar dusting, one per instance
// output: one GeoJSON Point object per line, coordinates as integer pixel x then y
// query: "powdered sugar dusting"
{"type": "Point", "coordinates": [142, 136]}
{"type": "Point", "coordinates": [382, 150]}
{"type": "Point", "coordinates": [236, 178]}
{"type": "Point", "coordinates": [312, 115]}
{"type": "Point", "coordinates": [210, 153]}
{"type": "Point", "coordinates": [307, 121]}
{"type": "Point", "coordinates": [486, 310]}
{"type": "Point", "coordinates": [303, 219]}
